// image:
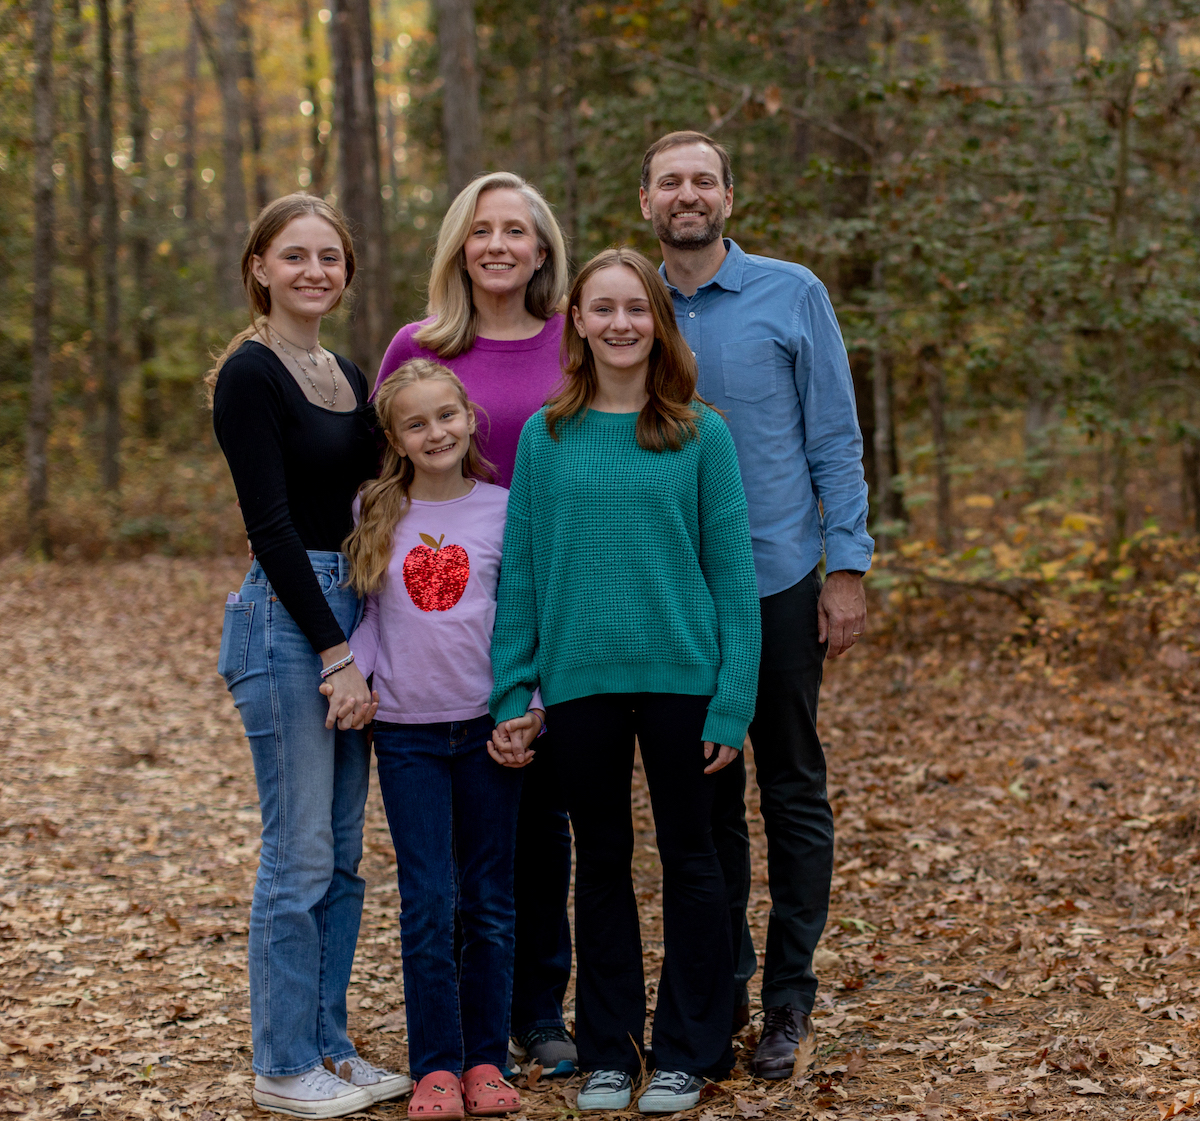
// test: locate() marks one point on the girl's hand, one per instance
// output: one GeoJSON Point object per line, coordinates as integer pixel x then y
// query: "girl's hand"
{"type": "Point", "coordinates": [725, 756]}
{"type": "Point", "coordinates": [510, 741]}
{"type": "Point", "coordinates": [359, 719]}
{"type": "Point", "coordinates": [347, 692]}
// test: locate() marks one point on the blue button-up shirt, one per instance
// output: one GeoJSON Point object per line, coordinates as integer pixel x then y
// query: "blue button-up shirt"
{"type": "Point", "coordinates": [771, 357]}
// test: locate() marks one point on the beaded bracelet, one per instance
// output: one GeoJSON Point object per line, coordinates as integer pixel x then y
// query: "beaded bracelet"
{"type": "Point", "coordinates": [337, 666]}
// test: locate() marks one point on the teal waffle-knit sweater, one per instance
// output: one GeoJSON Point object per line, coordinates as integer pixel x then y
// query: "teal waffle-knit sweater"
{"type": "Point", "coordinates": [627, 571]}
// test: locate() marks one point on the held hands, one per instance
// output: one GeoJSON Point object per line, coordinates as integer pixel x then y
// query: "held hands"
{"type": "Point", "coordinates": [351, 703]}
{"type": "Point", "coordinates": [841, 612]}
{"type": "Point", "coordinates": [510, 741]}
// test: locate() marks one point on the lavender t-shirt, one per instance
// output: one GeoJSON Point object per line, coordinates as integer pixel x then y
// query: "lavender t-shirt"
{"type": "Point", "coordinates": [435, 611]}
{"type": "Point", "coordinates": [509, 379]}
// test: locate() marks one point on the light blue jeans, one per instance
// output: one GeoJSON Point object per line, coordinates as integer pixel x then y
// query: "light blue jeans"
{"type": "Point", "coordinates": [312, 787]}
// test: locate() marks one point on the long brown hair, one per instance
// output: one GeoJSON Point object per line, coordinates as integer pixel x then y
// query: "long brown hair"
{"type": "Point", "coordinates": [668, 419]}
{"type": "Point", "coordinates": [384, 501]}
{"type": "Point", "coordinates": [450, 295]}
{"type": "Point", "coordinates": [265, 229]}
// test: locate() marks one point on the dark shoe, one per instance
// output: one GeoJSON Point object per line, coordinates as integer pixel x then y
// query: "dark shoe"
{"type": "Point", "coordinates": [783, 1029]}
{"type": "Point", "coordinates": [552, 1048]}
{"type": "Point", "coordinates": [605, 1089]}
{"type": "Point", "coordinates": [741, 1017]}
{"type": "Point", "coordinates": [670, 1091]}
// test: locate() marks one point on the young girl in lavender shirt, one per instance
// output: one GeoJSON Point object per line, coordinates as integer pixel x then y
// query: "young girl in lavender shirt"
{"type": "Point", "coordinates": [425, 553]}
{"type": "Point", "coordinates": [499, 275]}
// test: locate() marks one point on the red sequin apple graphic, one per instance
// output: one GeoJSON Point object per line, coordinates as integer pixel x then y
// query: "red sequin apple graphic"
{"type": "Point", "coordinates": [436, 576]}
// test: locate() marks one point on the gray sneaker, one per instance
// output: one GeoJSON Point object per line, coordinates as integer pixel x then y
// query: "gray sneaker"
{"type": "Point", "coordinates": [315, 1093]}
{"type": "Point", "coordinates": [552, 1048]}
{"type": "Point", "coordinates": [381, 1084]}
{"type": "Point", "coordinates": [605, 1089]}
{"type": "Point", "coordinates": [670, 1091]}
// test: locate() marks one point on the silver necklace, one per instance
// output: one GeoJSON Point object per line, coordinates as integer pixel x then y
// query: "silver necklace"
{"type": "Point", "coordinates": [329, 404]}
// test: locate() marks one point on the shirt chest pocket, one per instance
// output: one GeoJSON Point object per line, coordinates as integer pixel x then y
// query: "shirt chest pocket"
{"type": "Point", "coordinates": [750, 369]}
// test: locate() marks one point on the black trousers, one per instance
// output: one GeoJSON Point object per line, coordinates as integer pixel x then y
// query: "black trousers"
{"type": "Point", "coordinates": [790, 769]}
{"type": "Point", "coordinates": [542, 966]}
{"type": "Point", "coordinates": [593, 757]}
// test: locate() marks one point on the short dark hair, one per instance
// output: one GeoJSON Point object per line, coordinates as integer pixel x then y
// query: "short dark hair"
{"type": "Point", "coordinates": [678, 139]}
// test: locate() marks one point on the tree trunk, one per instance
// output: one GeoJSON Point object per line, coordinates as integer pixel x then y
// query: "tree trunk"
{"type": "Point", "coordinates": [566, 55]}
{"type": "Point", "coordinates": [462, 133]}
{"type": "Point", "coordinates": [38, 430]}
{"type": "Point", "coordinates": [996, 28]}
{"type": "Point", "coordinates": [545, 80]}
{"type": "Point", "coordinates": [249, 77]}
{"type": "Point", "coordinates": [882, 398]}
{"type": "Point", "coordinates": [86, 248]}
{"type": "Point", "coordinates": [221, 47]}
{"type": "Point", "coordinates": [358, 158]}
{"type": "Point", "coordinates": [318, 144]}
{"type": "Point", "coordinates": [139, 237]}
{"type": "Point", "coordinates": [110, 379]}
{"type": "Point", "coordinates": [1033, 26]}
{"type": "Point", "coordinates": [191, 85]}
{"type": "Point", "coordinates": [935, 394]}
{"type": "Point", "coordinates": [1189, 463]}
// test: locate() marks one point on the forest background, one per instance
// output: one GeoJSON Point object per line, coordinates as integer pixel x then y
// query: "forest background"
{"type": "Point", "coordinates": [1001, 196]}
{"type": "Point", "coordinates": [1003, 199]}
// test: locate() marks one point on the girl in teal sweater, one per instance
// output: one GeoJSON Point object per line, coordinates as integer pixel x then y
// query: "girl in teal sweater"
{"type": "Point", "coordinates": [627, 594]}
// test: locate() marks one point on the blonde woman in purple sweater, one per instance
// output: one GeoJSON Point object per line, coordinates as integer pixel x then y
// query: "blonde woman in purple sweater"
{"type": "Point", "coordinates": [499, 275]}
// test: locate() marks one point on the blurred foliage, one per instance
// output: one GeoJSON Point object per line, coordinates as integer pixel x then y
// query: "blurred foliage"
{"type": "Point", "coordinates": [1001, 197]}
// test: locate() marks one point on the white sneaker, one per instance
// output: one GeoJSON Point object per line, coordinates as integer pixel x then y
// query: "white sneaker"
{"type": "Point", "coordinates": [315, 1093]}
{"type": "Point", "coordinates": [381, 1084]}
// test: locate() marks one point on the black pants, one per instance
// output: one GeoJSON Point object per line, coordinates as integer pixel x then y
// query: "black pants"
{"type": "Point", "coordinates": [790, 768]}
{"type": "Point", "coordinates": [593, 757]}
{"type": "Point", "coordinates": [542, 883]}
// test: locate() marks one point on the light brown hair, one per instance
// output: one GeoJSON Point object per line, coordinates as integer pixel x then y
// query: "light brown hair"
{"type": "Point", "coordinates": [384, 501]}
{"type": "Point", "coordinates": [450, 301]}
{"type": "Point", "coordinates": [677, 140]}
{"type": "Point", "coordinates": [271, 221]}
{"type": "Point", "coordinates": [668, 419]}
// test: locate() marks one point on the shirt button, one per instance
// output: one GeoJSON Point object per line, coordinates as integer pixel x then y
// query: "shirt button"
{"type": "Point", "coordinates": [691, 315]}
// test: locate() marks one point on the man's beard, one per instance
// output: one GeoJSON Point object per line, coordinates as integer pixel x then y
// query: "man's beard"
{"type": "Point", "coordinates": [694, 238]}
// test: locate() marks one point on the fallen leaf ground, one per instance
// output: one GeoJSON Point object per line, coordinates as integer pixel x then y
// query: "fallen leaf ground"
{"type": "Point", "coordinates": [1010, 932]}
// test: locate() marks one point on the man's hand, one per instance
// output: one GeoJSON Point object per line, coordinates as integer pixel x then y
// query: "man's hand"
{"type": "Point", "coordinates": [725, 756]}
{"type": "Point", "coordinates": [510, 741]}
{"type": "Point", "coordinates": [841, 612]}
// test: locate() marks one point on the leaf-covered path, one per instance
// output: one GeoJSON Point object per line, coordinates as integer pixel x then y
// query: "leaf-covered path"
{"type": "Point", "coordinates": [1010, 932]}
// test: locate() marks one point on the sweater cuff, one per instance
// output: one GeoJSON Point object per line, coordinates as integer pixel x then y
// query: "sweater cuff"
{"type": "Point", "coordinates": [729, 730]}
{"type": "Point", "coordinates": [514, 703]}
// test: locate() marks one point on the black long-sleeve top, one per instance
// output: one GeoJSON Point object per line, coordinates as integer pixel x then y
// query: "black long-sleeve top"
{"type": "Point", "coordinates": [297, 467]}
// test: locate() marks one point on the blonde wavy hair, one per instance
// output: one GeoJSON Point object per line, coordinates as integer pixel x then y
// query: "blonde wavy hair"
{"type": "Point", "coordinates": [271, 221]}
{"type": "Point", "coordinates": [384, 501]}
{"type": "Point", "coordinates": [455, 320]}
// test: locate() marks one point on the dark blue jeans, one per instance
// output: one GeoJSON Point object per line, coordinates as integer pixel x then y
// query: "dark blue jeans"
{"type": "Point", "coordinates": [453, 816]}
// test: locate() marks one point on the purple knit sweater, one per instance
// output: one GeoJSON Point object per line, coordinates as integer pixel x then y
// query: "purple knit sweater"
{"type": "Point", "coordinates": [509, 379]}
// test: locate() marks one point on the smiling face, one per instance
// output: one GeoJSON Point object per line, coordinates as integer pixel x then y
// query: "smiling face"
{"type": "Point", "coordinates": [304, 267]}
{"type": "Point", "coordinates": [614, 316]}
{"type": "Point", "coordinates": [502, 250]}
{"type": "Point", "coordinates": [431, 426]}
{"type": "Point", "coordinates": [687, 201]}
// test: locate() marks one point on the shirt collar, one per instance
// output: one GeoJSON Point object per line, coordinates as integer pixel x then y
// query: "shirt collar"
{"type": "Point", "coordinates": [729, 275]}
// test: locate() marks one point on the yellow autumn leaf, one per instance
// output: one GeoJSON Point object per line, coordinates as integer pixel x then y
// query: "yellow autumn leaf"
{"type": "Point", "coordinates": [1078, 522]}
{"type": "Point", "coordinates": [1051, 569]}
{"type": "Point", "coordinates": [980, 501]}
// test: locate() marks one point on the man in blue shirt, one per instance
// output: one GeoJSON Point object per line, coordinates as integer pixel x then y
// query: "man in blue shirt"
{"type": "Point", "coordinates": [771, 357]}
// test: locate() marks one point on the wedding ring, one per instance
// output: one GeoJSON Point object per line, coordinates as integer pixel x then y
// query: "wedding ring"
{"type": "Point", "coordinates": [856, 634]}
